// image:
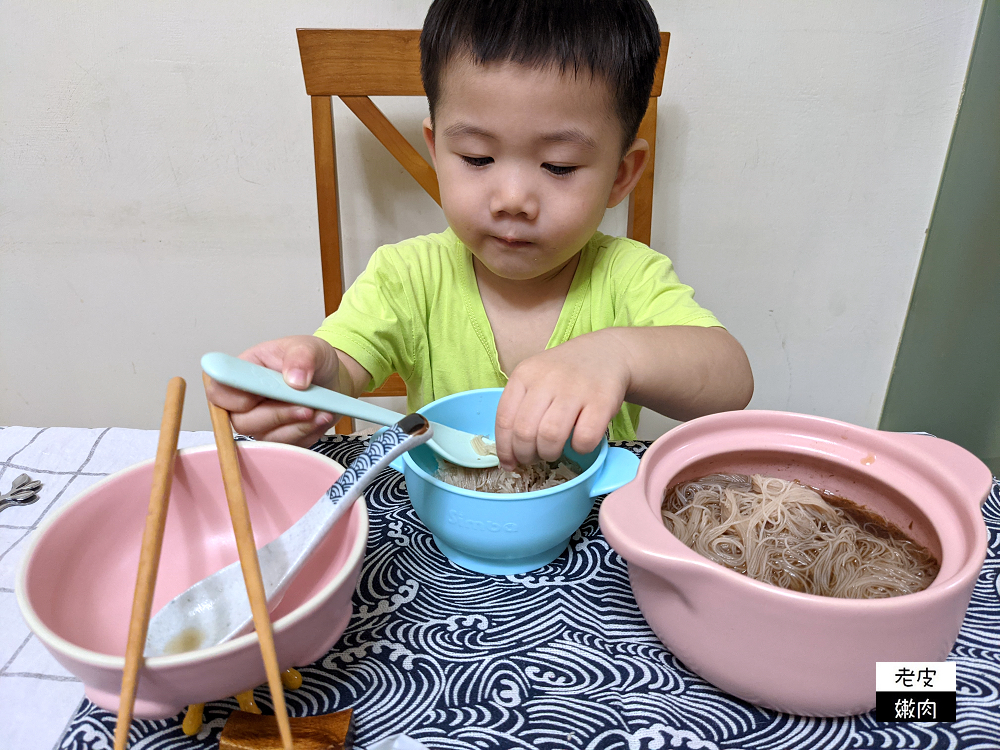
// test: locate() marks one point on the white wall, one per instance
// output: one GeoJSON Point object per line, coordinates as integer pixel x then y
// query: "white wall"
{"type": "Point", "coordinates": [157, 198]}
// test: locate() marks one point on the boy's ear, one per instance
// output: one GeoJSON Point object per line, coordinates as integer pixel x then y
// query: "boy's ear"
{"type": "Point", "coordinates": [429, 140]}
{"type": "Point", "coordinates": [629, 171]}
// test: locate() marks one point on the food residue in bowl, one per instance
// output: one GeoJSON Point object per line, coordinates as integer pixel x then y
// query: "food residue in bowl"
{"type": "Point", "coordinates": [482, 446]}
{"type": "Point", "coordinates": [797, 537]}
{"type": "Point", "coordinates": [186, 640]}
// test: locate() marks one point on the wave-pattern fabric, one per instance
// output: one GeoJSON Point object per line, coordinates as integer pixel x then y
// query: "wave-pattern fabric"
{"type": "Point", "coordinates": [556, 658]}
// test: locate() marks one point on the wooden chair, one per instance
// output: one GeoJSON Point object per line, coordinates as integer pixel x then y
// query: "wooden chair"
{"type": "Point", "coordinates": [356, 64]}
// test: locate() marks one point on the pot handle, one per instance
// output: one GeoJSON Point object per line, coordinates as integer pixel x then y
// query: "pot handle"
{"type": "Point", "coordinates": [620, 466]}
{"type": "Point", "coordinates": [965, 469]}
{"type": "Point", "coordinates": [641, 539]}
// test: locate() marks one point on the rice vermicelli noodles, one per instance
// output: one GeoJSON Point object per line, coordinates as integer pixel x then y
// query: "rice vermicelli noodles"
{"type": "Point", "coordinates": [538, 476]}
{"type": "Point", "coordinates": [789, 535]}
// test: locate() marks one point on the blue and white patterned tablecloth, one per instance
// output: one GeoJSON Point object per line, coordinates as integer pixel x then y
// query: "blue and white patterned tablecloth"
{"type": "Point", "coordinates": [556, 658]}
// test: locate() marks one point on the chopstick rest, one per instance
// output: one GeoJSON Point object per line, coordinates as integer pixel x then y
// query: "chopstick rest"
{"type": "Point", "coordinates": [246, 731]}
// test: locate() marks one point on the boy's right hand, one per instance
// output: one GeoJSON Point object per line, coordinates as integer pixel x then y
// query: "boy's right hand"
{"type": "Point", "coordinates": [302, 360]}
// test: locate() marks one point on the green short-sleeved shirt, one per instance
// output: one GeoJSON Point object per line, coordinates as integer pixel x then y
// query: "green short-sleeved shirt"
{"type": "Point", "coordinates": [416, 310]}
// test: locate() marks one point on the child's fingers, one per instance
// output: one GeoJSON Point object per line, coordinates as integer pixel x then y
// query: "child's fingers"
{"type": "Point", "coordinates": [534, 425]}
{"type": "Point", "coordinates": [531, 429]}
{"type": "Point", "coordinates": [300, 359]}
{"type": "Point", "coordinates": [231, 399]}
{"type": "Point", "coordinates": [269, 416]}
{"type": "Point", "coordinates": [299, 364]}
{"type": "Point", "coordinates": [555, 427]}
{"type": "Point", "coordinates": [543, 425]}
{"type": "Point", "coordinates": [302, 434]}
{"type": "Point", "coordinates": [506, 417]}
{"type": "Point", "coordinates": [280, 422]}
{"type": "Point", "coordinates": [592, 424]}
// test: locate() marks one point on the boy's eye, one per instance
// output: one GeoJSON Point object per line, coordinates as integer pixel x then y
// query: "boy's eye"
{"type": "Point", "coordinates": [557, 170]}
{"type": "Point", "coordinates": [477, 161]}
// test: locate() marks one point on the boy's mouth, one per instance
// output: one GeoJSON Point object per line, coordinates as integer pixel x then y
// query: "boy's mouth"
{"type": "Point", "coordinates": [512, 242]}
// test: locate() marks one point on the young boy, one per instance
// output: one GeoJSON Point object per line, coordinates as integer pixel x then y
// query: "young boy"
{"type": "Point", "coordinates": [534, 110]}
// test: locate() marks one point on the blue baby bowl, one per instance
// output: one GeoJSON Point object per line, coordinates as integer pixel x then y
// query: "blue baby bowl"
{"type": "Point", "coordinates": [504, 533]}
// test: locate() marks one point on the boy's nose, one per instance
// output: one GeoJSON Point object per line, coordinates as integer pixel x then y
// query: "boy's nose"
{"type": "Point", "coordinates": [513, 195]}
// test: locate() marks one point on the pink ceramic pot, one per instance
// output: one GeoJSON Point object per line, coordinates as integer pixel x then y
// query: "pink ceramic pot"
{"type": "Point", "coordinates": [77, 580]}
{"type": "Point", "coordinates": [791, 652]}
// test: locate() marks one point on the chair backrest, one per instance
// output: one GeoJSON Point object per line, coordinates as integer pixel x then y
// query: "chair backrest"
{"type": "Point", "coordinates": [356, 64]}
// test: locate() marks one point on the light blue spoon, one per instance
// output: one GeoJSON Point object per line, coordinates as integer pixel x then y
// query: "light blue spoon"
{"type": "Point", "coordinates": [451, 444]}
{"type": "Point", "coordinates": [217, 608]}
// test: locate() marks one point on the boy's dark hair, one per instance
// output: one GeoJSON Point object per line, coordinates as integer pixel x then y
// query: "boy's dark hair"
{"type": "Point", "coordinates": [617, 40]}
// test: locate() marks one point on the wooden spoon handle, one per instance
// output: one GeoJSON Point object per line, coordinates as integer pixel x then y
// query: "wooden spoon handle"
{"type": "Point", "coordinates": [149, 555]}
{"type": "Point", "coordinates": [247, 548]}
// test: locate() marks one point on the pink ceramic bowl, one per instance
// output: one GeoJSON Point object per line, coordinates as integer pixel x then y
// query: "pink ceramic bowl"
{"type": "Point", "coordinates": [77, 580]}
{"type": "Point", "coordinates": [791, 652]}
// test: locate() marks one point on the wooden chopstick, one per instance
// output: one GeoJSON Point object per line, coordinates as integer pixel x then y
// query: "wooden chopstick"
{"type": "Point", "coordinates": [247, 548]}
{"type": "Point", "coordinates": [149, 556]}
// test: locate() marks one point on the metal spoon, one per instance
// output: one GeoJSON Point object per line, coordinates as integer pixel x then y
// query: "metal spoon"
{"type": "Point", "coordinates": [23, 491]}
{"type": "Point", "coordinates": [451, 444]}
{"type": "Point", "coordinates": [216, 609]}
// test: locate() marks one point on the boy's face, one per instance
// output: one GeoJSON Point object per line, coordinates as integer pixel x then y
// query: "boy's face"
{"type": "Point", "coordinates": [528, 160]}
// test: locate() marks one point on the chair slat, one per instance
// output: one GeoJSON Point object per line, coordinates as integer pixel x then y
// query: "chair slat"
{"type": "Point", "coordinates": [393, 386]}
{"type": "Point", "coordinates": [327, 203]}
{"type": "Point", "coordinates": [661, 64]}
{"type": "Point", "coordinates": [361, 62]}
{"type": "Point", "coordinates": [640, 203]}
{"type": "Point", "coordinates": [397, 145]}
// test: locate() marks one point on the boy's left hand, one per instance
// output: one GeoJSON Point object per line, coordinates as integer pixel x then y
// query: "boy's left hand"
{"type": "Point", "coordinates": [574, 388]}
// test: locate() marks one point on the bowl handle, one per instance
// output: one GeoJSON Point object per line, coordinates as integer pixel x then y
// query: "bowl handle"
{"type": "Point", "coordinates": [620, 466]}
{"type": "Point", "coordinates": [965, 469]}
